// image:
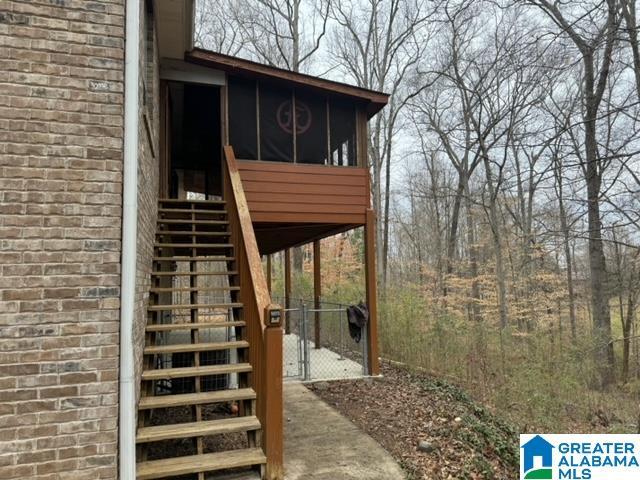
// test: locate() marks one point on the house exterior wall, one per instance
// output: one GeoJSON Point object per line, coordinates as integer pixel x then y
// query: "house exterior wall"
{"type": "Point", "coordinates": [148, 177]}
{"type": "Point", "coordinates": [61, 154]}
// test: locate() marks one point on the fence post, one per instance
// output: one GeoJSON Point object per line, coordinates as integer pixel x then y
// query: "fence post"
{"type": "Point", "coordinates": [341, 335]}
{"type": "Point", "coordinates": [305, 342]}
{"type": "Point", "coordinates": [365, 350]}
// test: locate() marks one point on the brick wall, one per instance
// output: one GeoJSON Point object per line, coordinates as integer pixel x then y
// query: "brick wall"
{"type": "Point", "coordinates": [148, 173]}
{"type": "Point", "coordinates": [61, 119]}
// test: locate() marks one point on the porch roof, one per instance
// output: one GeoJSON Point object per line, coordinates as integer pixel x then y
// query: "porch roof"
{"type": "Point", "coordinates": [373, 100]}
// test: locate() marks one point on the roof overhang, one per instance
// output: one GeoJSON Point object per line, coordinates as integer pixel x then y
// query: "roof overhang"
{"type": "Point", "coordinates": [175, 20]}
{"type": "Point", "coordinates": [373, 100]}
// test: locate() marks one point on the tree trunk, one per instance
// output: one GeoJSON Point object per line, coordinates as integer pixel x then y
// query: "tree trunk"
{"type": "Point", "coordinates": [597, 261]}
{"type": "Point", "coordinates": [564, 226]}
{"type": "Point", "coordinates": [626, 341]}
{"type": "Point", "coordinates": [453, 231]}
{"type": "Point", "coordinates": [473, 260]}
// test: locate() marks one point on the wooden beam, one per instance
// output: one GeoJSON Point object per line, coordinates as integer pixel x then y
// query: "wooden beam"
{"type": "Point", "coordinates": [273, 430]}
{"type": "Point", "coordinates": [317, 288]}
{"type": "Point", "coordinates": [287, 288]}
{"type": "Point", "coordinates": [372, 292]}
{"type": "Point", "coordinates": [269, 273]}
{"type": "Point", "coordinates": [373, 100]}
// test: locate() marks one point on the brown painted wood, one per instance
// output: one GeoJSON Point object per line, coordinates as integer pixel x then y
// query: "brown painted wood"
{"type": "Point", "coordinates": [318, 190]}
{"type": "Point", "coordinates": [372, 291]}
{"type": "Point", "coordinates": [269, 273]}
{"type": "Point", "coordinates": [284, 192]}
{"type": "Point", "coordinates": [274, 428]}
{"type": "Point", "coordinates": [275, 237]}
{"type": "Point", "coordinates": [335, 200]}
{"type": "Point", "coordinates": [306, 168]}
{"type": "Point", "coordinates": [317, 288]}
{"type": "Point", "coordinates": [303, 178]}
{"type": "Point", "coordinates": [265, 340]}
{"type": "Point", "coordinates": [300, 217]}
{"type": "Point", "coordinates": [273, 207]}
{"type": "Point", "coordinates": [287, 288]}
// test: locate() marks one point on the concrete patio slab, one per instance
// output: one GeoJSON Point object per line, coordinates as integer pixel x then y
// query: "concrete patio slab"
{"type": "Point", "coordinates": [325, 364]}
{"type": "Point", "coordinates": [321, 444]}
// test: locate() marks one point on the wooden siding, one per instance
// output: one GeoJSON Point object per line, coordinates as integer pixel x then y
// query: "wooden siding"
{"type": "Point", "coordinates": [300, 193]}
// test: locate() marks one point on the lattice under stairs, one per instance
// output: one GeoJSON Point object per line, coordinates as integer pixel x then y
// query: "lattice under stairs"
{"type": "Point", "coordinates": [197, 413]}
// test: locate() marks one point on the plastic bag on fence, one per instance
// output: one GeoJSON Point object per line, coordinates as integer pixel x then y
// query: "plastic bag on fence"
{"type": "Point", "coordinates": [357, 316]}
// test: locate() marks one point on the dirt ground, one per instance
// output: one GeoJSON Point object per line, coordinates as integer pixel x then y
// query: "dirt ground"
{"type": "Point", "coordinates": [402, 408]}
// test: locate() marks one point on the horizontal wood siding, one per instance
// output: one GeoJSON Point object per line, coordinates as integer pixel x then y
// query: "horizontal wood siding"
{"type": "Point", "coordinates": [299, 193]}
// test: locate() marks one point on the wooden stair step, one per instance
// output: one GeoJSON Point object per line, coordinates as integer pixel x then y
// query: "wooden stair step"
{"type": "Point", "coordinates": [178, 221]}
{"type": "Point", "coordinates": [192, 306]}
{"type": "Point", "coordinates": [197, 429]}
{"type": "Point", "coordinates": [190, 233]}
{"type": "Point", "coordinates": [202, 398]}
{"type": "Point", "coordinates": [246, 475]}
{"type": "Point", "coordinates": [168, 327]}
{"type": "Point", "coordinates": [193, 289]}
{"type": "Point", "coordinates": [182, 274]}
{"type": "Point", "coordinates": [194, 347]}
{"type": "Point", "coordinates": [194, 210]}
{"type": "Point", "coordinates": [202, 371]}
{"type": "Point", "coordinates": [207, 462]}
{"type": "Point", "coordinates": [193, 245]}
{"type": "Point", "coordinates": [195, 258]}
{"type": "Point", "coordinates": [194, 201]}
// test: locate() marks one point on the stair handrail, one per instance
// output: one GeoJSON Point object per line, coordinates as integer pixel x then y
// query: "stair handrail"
{"type": "Point", "coordinates": [264, 331]}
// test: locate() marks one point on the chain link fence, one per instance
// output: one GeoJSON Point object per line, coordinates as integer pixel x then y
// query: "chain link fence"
{"type": "Point", "coordinates": [318, 344]}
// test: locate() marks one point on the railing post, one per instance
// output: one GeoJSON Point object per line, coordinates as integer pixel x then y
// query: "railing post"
{"type": "Point", "coordinates": [273, 423]}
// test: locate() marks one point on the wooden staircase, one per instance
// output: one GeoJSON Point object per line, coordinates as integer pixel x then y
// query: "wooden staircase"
{"type": "Point", "coordinates": [198, 414]}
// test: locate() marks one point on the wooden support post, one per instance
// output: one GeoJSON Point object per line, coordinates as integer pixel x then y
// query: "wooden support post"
{"type": "Point", "coordinates": [317, 289]}
{"type": "Point", "coordinates": [287, 288]}
{"type": "Point", "coordinates": [274, 425]}
{"type": "Point", "coordinates": [372, 292]}
{"type": "Point", "coordinates": [269, 273]}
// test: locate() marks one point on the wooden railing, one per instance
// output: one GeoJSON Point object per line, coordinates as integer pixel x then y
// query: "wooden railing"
{"type": "Point", "coordinates": [263, 328]}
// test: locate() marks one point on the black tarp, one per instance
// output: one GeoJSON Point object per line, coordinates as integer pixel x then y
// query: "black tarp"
{"type": "Point", "coordinates": [276, 124]}
{"type": "Point", "coordinates": [311, 129]}
{"type": "Point", "coordinates": [243, 135]}
{"type": "Point", "coordinates": [342, 117]}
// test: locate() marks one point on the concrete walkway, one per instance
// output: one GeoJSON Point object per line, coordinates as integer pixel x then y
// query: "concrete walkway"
{"type": "Point", "coordinates": [325, 364]}
{"type": "Point", "coordinates": [321, 444]}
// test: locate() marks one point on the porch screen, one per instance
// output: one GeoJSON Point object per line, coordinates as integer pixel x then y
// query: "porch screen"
{"type": "Point", "coordinates": [311, 129]}
{"type": "Point", "coordinates": [342, 120]}
{"type": "Point", "coordinates": [243, 129]}
{"type": "Point", "coordinates": [276, 123]}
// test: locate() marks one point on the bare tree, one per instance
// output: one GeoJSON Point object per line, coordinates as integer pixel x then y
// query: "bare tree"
{"type": "Point", "coordinates": [595, 43]}
{"type": "Point", "coordinates": [378, 44]}
{"type": "Point", "coordinates": [628, 9]}
{"type": "Point", "coordinates": [283, 33]}
{"type": "Point", "coordinates": [214, 27]}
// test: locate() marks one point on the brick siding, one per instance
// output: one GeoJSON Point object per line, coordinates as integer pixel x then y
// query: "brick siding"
{"type": "Point", "coordinates": [61, 133]}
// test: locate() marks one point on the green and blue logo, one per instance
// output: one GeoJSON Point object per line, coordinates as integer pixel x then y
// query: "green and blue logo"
{"type": "Point", "coordinates": [580, 457]}
{"type": "Point", "coordinates": [536, 460]}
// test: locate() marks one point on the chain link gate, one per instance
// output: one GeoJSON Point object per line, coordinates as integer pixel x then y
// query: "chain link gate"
{"type": "Point", "coordinates": [318, 346]}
